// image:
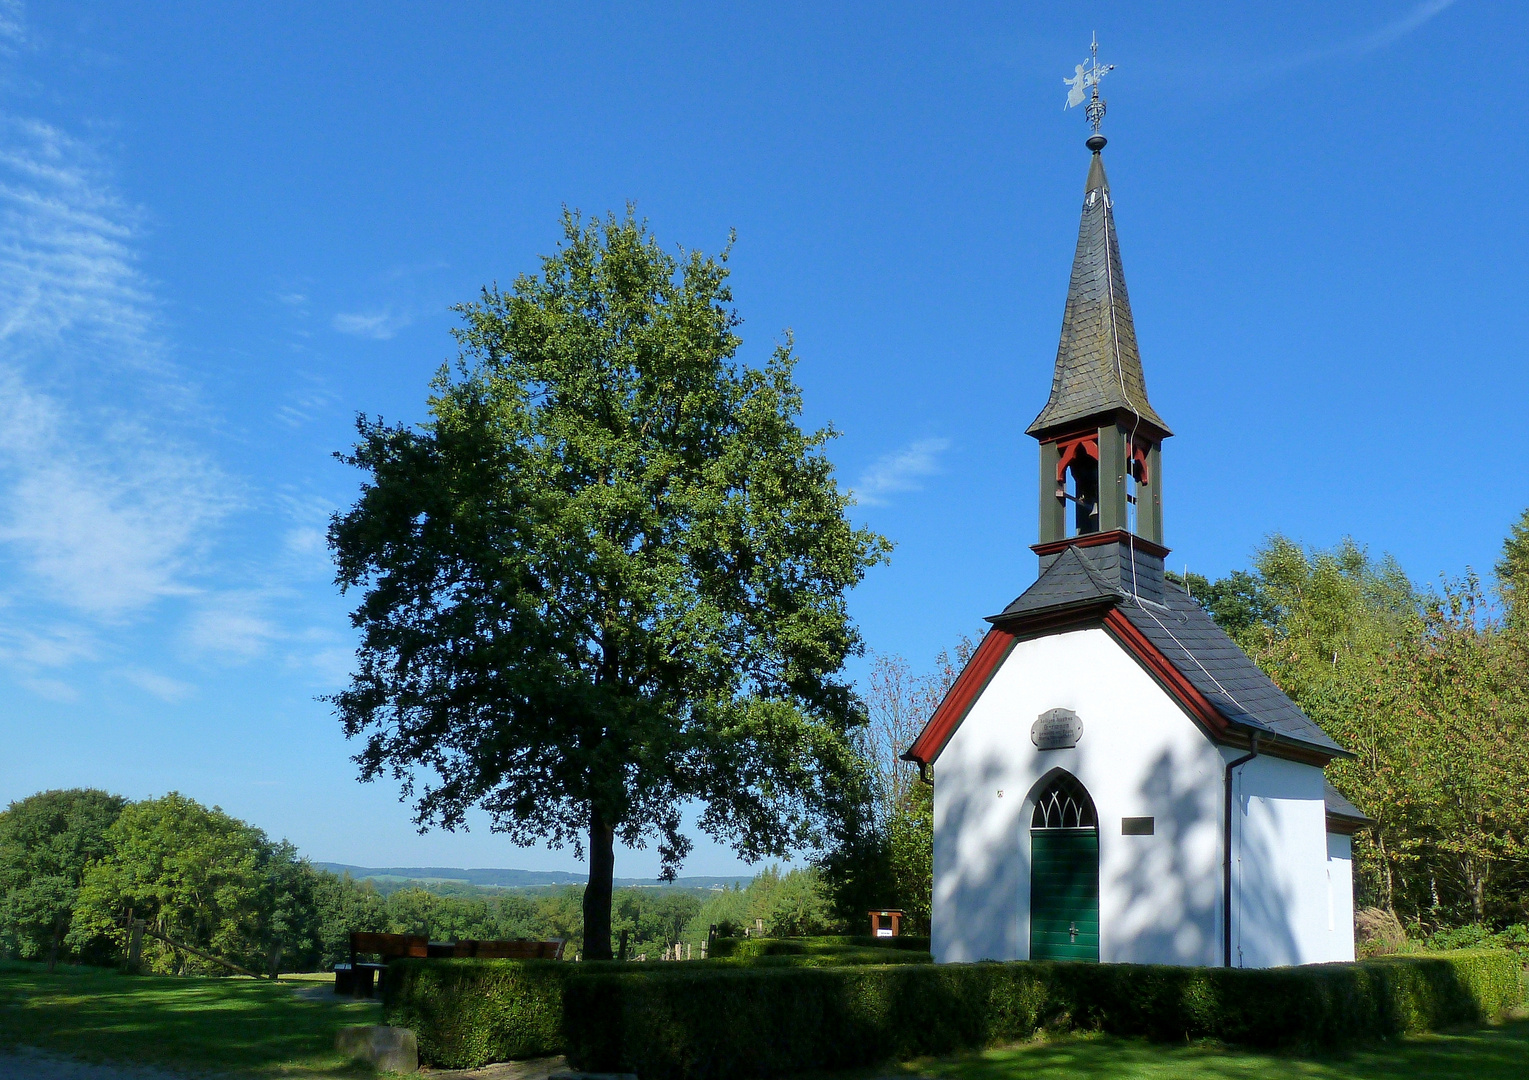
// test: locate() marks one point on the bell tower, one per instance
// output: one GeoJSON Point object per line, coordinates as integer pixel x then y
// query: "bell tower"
{"type": "Point", "coordinates": [1100, 439]}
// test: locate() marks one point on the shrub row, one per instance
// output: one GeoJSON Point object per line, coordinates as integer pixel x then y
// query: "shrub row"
{"type": "Point", "coordinates": [743, 948]}
{"type": "Point", "coordinates": [698, 1024]}
{"type": "Point", "coordinates": [467, 1013]}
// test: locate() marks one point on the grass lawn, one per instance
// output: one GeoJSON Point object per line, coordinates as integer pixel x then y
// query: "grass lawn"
{"type": "Point", "coordinates": [1497, 1053]}
{"type": "Point", "coordinates": [240, 1026]}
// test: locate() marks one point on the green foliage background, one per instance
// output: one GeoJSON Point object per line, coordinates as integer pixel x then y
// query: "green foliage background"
{"type": "Point", "coordinates": [79, 863]}
{"type": "Point", "coordinates": [1429, 687]}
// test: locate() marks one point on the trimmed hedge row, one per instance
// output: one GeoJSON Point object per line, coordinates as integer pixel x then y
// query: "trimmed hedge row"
{"type": "Point", "coordinates": [742, 948]}
{"type": "Point", "coordinates": [703, 1024]}
{"type": "Point", "coordinates": [467, 1013]}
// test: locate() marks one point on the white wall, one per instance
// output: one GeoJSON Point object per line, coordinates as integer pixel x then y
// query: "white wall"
{"type": "Point", "coordinates": [1280, 866]}
{"type": "Point", "coordinates": [1140, 755]}
{"type": "Point", "coordinates": [1340, 884]}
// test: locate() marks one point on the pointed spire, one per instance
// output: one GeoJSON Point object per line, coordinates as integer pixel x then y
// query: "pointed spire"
{"type": "Point", "coordinates": [1098, 368]}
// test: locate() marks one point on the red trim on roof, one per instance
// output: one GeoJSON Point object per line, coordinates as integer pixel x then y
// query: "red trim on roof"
{"type": "Point", "coordinates": [1162, 669]}
{"type": "Point", "coordinates": [1109, 536]}
{"type": "Point", "coordinates": [961, 695]}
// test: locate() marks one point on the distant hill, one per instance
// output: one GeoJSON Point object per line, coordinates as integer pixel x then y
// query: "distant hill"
{"type": "Point", "coordinates": [513, 879]}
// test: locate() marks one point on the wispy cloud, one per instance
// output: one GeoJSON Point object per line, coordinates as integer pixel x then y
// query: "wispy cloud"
{"type": "Point", "coordinates": [903, 470]}
{"type": "Point", "coordinates": [104, 508]}
{"type": "Point", "coordinates": [13, 34]}
{"type": "Point", "coordinates": [156, 685]}
{"type": "Point", "coordinates": [377, 325]}
{"type": "Point", "coordinates": [306, 402]}
{"type": "Point", "coordinates": [233, 625]}
{"type": "Point", "coordinates": [1403, 26]}
{"type": "Point", "coordinates": [1392, 32]}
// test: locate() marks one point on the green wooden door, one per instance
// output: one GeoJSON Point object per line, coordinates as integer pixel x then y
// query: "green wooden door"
{"type": "Point", "coordinates": [1064, 894]}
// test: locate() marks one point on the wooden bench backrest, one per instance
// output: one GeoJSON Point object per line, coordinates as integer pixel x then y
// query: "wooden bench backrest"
{"type": "Point", "coordinates": [395, 945]}
{"type": "Point", "coordinates": [518, 950]}
{"type": "Point", "coordinates": [390, 945]}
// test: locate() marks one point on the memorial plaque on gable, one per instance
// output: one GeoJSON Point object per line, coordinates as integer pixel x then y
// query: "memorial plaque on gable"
{"type": "Point", "coordinates": [1056, 729]}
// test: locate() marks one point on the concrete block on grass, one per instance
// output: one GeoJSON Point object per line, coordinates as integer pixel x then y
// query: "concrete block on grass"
{"type": "Point", "coordinates": [387, 1049]}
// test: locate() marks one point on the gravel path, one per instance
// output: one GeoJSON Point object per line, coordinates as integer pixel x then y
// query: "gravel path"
{"type": "Point", "coordinates": [25, 1064]}
{"type": "Point", "coordinates": [35, 1065]}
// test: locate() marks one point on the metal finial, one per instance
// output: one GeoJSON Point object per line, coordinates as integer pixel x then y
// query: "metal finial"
{"type": "Point", "coordinates": [1085, 80]}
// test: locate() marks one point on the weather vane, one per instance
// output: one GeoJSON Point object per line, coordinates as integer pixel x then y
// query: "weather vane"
{"type": "Point", "coordinates": [1086, 78]}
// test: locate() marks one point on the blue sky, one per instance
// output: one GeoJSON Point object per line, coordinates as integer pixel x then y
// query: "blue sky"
{"type": "Point", "coordinates": [226, 229]}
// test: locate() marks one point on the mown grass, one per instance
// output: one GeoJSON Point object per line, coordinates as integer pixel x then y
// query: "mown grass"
{"type": "Point", "coordinates": [237, 1026]}
{"type": "Point", "coordinates": [1496, 1053]}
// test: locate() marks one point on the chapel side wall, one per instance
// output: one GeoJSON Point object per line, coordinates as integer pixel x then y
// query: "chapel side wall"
{"type": "Point", "coordinates": [1340, 884]}
{"type": "Point", "coordinates": [1140, 755]}
{"type": "Point", "coordinates": [1280, 885]}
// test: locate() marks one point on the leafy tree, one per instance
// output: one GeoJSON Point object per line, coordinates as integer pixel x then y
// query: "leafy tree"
{"type": "Point", "coordinates": [608, 578]}
{"type": "Point", "coordinates": [1237, 602]}
{"type": "Point", "coordinates": [1429, 692]}
{"type": "Point", "coordinates": [1513, 574]}
{"type": "Point", "coordinates": [792, 904]}
{"type": "Point", "coordinates": [1469, 686]}
{"type": "Point", "coordinates": [194, 874]}
{"type": "Point", "coordinates": [46, 841]}
{"type": "Point", "coordinates": [654, 919]}
{"type": "Point", "coordinates": [910, 857]}
{"type": "Point", "coordinates": [344, 906]}
{"type": "Point", "coordinates": [885, 854]}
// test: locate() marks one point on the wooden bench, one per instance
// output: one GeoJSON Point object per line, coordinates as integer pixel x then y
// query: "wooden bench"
{"type": "Point", "coordinates": [357, 978]}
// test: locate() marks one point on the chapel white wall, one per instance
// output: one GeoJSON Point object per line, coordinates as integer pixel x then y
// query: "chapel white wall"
{"type": "Point", "coordinates": [1340, 870]}
{"type": "Point", "coordinates": [1280, 865]}
{"type": "Point", "coordinates": [1140, 755]}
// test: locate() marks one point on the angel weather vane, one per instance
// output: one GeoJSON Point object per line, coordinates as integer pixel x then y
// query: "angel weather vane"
{"type": "Point", "coordinates": [1085, 79]}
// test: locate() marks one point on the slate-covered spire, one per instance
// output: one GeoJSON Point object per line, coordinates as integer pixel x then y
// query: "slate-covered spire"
{"type": "Point", "coordinates": [1098, 368]}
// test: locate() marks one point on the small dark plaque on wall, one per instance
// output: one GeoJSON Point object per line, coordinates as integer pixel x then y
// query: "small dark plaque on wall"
{"type": "Point", "coordinates": [1056, 729]}
{"type": "Point", "coordinates": [1137, 826]}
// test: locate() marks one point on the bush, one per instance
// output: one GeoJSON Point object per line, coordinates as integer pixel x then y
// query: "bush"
{"type": "Point", "coordinates": [1479, 937]}
{"type": "Point", "coordinates": [702, 1022]}
{"type": "Point", "coordinates": [466, 1013]}
{"type": "Point", "coordinates": [748, 948]}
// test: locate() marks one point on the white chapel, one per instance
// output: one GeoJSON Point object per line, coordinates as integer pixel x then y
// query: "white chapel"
{"type": "Point", "coordinates": [1114, 779]}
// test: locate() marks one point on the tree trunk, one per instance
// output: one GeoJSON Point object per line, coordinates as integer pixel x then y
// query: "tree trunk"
{"type": "Point", "coordinates": [597, 894]}
{"type": "Point", "coordinates": [1477, 871]}
{"type": "Point", "coordinates": [1388, 885]}
{"type": "Point", "coordinates": [58, 936]}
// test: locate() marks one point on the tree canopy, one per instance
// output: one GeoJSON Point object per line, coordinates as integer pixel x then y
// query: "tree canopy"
{"type": "Point", "coordinates": [194, 874]}
{"type": "Point", "coordinates": [607, 578]}
{"type": "Point", "coordinates": [46, 842]}
{"type": "Point", "coordinates": [1430, 690]}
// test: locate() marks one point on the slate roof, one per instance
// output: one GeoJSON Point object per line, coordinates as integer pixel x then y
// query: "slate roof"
{"type": "Point", "coordinates": [1086, 381]}
{"type": "Point", "coordinates": [1200, 650]}
{"type": "Point", "coordinates": [1071, 580]}
{"type": "Point", "coordinates": [1188, 638]}
{"type": "Point", "coordinates": [1338, 806]}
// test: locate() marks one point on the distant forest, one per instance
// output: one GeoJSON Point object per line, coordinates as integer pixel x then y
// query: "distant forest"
{"type": "Point", "coordinates": [389, 878]}
{"type": "Point", "coordinates": [76, 865]}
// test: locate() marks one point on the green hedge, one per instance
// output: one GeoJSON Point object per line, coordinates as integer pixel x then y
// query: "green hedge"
{"type": "Point", "coordinates": [467, 1013]}
{"type": "Point", "coordinates": [812, 946]}
{"type": "Point", "coordinates": [698, 1024]}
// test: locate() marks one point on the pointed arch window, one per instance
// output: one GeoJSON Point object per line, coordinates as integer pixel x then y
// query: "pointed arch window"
{"type": "Point", "coordinates": [1079, 457]}
{"type": "Point", "coordinates": [1064, 804]}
